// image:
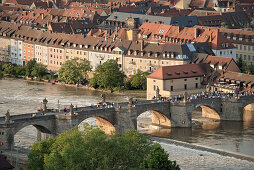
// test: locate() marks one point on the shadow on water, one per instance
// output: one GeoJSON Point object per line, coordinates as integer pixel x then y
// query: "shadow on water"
{"type": "Point", "coordinates": [233, 136]}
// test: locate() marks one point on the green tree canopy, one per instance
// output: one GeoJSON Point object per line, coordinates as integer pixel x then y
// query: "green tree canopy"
{"type": "Point", "coordinates": [242, 65]}
{"type": "Point", "coordinates": [251, 69]}
{"type": "Point", "coordinates": [39, 70]}
{"type": "Point", "coordinates": [107, 76]}
{"type": "Point", "coordinates": [92, 149]}
{"type": "Point", "coordinates": [29, 67]}
{"type": "Point", "coordinates": [74, 71]}
{"type": "Point", "coordinates": [158, 159]}
{"type": "Point", "coordinates": [138, 80]}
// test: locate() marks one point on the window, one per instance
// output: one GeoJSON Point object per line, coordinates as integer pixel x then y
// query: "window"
{"type": "Point", "coordinates": [196, 85]}
{"type": "Point", "coordinates": [185, 86]}
{"type": "Point", "coordinates": [154, 87]}
{"type": "Point", "coordinates": [185, 79]}
{"type": "Point", "coordinates": [172, 88]}
{"type": "Point", "coordinates": [196, 78]}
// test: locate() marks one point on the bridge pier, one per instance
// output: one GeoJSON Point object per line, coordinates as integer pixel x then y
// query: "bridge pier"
{"type": "Point", "coordinates": [125, 119]}
{"type": "Point", "coordinates": [180, 116]}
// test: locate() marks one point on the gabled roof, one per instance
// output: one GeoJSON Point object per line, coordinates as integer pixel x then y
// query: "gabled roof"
{"type": "Point", "coordinates": [181, 71]}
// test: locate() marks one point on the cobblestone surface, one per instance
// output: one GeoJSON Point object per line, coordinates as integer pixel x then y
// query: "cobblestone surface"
{"type": "Point", "coordinates": [192, 159]}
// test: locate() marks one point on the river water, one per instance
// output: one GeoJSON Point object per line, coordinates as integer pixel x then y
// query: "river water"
{"type": "Point", "coordinates": [21, 97]}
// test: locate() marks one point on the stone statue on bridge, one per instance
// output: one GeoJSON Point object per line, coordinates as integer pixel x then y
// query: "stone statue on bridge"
{"type": "Point", "coordinates": [157, 92]}
{"type": "Point", "coordinates": [103, 98]}
{"type": "Point", "coordinates": [130, 100]}
{"type": "Point", "coordinates": [44, 102]}
{"type": "Point", "coordinates": [7, 117]}
{"type": "Point", "coordinates": [71, 110]}
{"type": "Point", "coordinates": [185, 97]}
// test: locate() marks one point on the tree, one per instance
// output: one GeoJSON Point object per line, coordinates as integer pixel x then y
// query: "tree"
{"type": "Point", "coordinates": [20, 70]}
{"type": "Point", "coordinates": [158, 159]}
{"type": "Point", "coordinates": [242, 65]}
{"type": "Point", "coordinates": [251, 69]}
{"type": "Point", "coordinates": [29, 67]}
{"type": "Point", "coordinates": [108, 76]}
{"type": "Point", "coordinates": [39, 70]}
{"type": "Point", "coordinates": [91, 149]}
{"type": "Point", "coordinates": [138, 81]}
{"type": "Point", "coordinates": [38, 152]}
{"type": "Point", "coordinates": [74, 71]}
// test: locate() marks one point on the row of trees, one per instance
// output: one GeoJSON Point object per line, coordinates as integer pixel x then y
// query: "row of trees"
{"type": "Point", "coordinates": [92, 149]}
{"type": "Point", "coordinates": [32, 69]}
{"type": "Point", "coordinates": [106, 76]}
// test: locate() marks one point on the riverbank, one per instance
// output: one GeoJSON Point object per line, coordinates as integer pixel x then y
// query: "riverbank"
{"type": "Point", "coordinates": [191, 156]}
{"type": "Point", "coordinates": [136, 93]}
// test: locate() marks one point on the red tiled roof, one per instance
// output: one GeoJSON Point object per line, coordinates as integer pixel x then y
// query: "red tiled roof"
{"type": "Point", "coordinates": [180, 71]}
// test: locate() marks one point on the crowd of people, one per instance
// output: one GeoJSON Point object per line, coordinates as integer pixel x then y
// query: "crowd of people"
{"type": "Point", "coordinates": [205, 95]}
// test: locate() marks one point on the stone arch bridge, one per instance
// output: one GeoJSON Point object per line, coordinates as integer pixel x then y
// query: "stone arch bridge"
{"type": "Point", "coordinates": [121, 115]}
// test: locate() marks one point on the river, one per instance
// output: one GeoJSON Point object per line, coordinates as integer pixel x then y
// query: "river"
{"type": "Point", "coordinates": [21, 97]}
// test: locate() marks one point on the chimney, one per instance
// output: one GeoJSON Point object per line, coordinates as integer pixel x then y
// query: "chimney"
{"type": "Point", "coordinates": [42, 16]}
{"type": "Point", "coordinates": [196, 32]}
{"type": "Point", "coordinates": [142, 45]}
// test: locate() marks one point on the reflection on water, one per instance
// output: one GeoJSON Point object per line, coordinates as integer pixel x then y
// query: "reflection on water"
{"type": "Point", "coordinates": [231, 136]}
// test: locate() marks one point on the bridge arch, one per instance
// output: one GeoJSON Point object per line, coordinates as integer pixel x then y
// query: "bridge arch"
{"type": "Point", "coordinates": [205, 111]}
{"type": "Point", "coordinates": [248, 112]}
{"type": "Point", "coordinates": [27, 134]}
{"type": "Point", "coordinates": [100, 123]}
{"type": "Point", "coordinates": [153, 119]}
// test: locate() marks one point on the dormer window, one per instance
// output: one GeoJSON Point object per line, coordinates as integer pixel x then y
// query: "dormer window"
{"type": "Point", "coordinates": [164, 55]}
{"type": "Point", "coordinates": [135, 52]}
{"type": "Point", "coordinates": [80, 46]}
{"type": "Point", "coordinates": [156, 55]}
{"type": "Point", "coordinates": [149, 54]}
{"type": "Point", "coordinates": [74, 45]}
{"type": "Point", "coordinates": [129, 52]}
{"type": "Point", "coordinates": [172, 55]}
{"type": "Point", "coordinates": [142, 53]}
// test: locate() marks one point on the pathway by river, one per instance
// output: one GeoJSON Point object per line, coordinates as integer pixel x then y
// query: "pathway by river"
{"type": "Point", "coordinates": [20, 97]}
